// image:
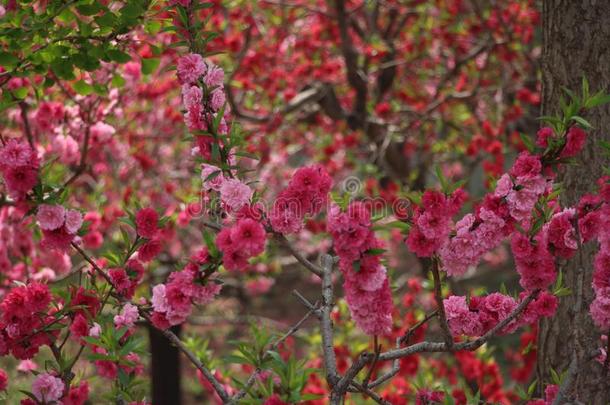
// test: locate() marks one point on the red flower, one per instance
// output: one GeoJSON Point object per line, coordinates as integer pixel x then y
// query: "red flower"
{"type": "Point", "coordinates": [147, 221]}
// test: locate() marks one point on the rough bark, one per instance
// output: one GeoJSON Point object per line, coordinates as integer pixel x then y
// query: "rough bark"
{"type": "Point", "coordinates": [576, 43]}
{"type": "Point", "coordinates": [165, 368]}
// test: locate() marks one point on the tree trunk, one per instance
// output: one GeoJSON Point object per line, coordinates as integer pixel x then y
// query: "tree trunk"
{"type": "Point", "coordinates": [165, 368]}
{"type": "Point", "coordinates": [576, 38]}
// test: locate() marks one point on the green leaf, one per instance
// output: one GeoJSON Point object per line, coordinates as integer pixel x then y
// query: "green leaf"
{"type": "Point", "coordinates": [213, 175]}
{"type": "Point", "coordinates": [311, 397]}
{"type": "Point", "coordinates": [152, 27]}
{"type": "Point", "coordinates": [150, 65]}
{"type": "Point", "coordinates": [555, 377]}
{"type": "Point", "coordinates": [532, 388]}
{"type": "Point", "coordinates": [86, 62]}
{"type": "Point", "coordinates": [132, 10]}
{"type": "Point", "coordinates": [563, 292]}
{"type": "Point", "coordinates": [585, 88]}
{"type": "Point", "coordinates": [118, 56]}
{"type": "Point", "coordinates": [107, 20]}
{"type": "Point", "coordinates": [118, 81]}
{"type": "Point", "coordinates": [583, 122]}
{"type": "Point", "coordinates": [597, 100]}
{"type": "Point", "coordinates": [8, 60]}
{"type": "Point", "coordinates": [375, 251]}
{"type": "Point", "coordinates": [441, 178]}
{"type": "Point", "coordinates": [521, 392]}
{"type": "Point", "coordinates": [503, 289]}
{"type": "Point", "coordinates": [83, 88]}
{"type": "Point", "coordinates": [527, 142]}
{"type": "Point", "coordinates": [90, 9]}
{"type": "Point", "coordinates": [403, 226]}
{"type": "Point", "coordinates": [572, 95]}
{"type": "Point", "coordinates": [235, 359]}
{"type": "Point", "coordinates": [63, 68]}
{"type": "Point", "coordinates": [20, 93]}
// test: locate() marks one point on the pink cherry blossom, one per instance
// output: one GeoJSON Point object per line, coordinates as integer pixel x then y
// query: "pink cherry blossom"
{"type": "Point", "coordinates": [128, 316]}
{"type": "Point", "coordinates": [47, 388]}
{"type": "Point", "coordinates": [215, 183]}
{"type": "Point", "coordinates": [50, 217]}
{"type": "Point", "coordinates": [235, 194]}
{"type": "Point", "coordinates": [74, 220]}
{"type": "Point", "coordinates": [190, 68]}
{"type": "Point", "coordinates": [147, 221]}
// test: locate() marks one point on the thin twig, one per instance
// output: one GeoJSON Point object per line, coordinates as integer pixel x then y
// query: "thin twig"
{"type": "Point", "coordinates": [374, 396]}
{"type": "Point", "coordinates": [407, 336]}
{"type": "Point", "coordinates": [302, 259]}
{"type": "Point", "coordinates": [252, 378]}
{"type": "Point", "coordinates": [26, 123]}
{"type": "Point", "coordinates": [440, 307]}
{"type": "Point", "coordinates": [367, 378]}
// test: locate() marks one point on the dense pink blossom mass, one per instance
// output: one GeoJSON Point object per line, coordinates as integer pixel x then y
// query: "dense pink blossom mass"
{"type": "Point", "coordinates": [309, 202]}
{"type": "Point", "coordinates": [366, 285]}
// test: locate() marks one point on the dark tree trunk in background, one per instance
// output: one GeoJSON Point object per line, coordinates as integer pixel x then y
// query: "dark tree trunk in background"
{"type": "Point", "coordinates": [576, 43]}
{"type": "Point", "coordinates": [165, 368]}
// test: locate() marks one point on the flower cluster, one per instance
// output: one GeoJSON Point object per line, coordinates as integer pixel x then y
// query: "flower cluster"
{"type": "Point", "coordinates": [600, 307]}
{"type": "Point", "coordinates": [245, 239]}
{"type": "Point", "coordinates": [306, 194]}
{"type": "Point", "coordinates": [147, 227]}
{"type": "Point", "coordinates": [234, 194]}
{"type": "Point", "coordinates": [481, 314]}
{"type": "Point", "coordinates": [203, 97]}
{"type": "Point", "coordinates": [48, 115]}
{"type": "Point", "coordinates": [535, 263]}
{"type": "Point", "coordinates": [110, 369]}
{"type": "Point", "coordinates": [126, 279]}
{"type": "Point", "coordinates": [522, 186]}
{"type": "Point", "coordinates": [24, 314]}
{"type": "Point", "coordinates": [19, 166]}
{"type": "Point", "coordinates": [432, 221]}
{"type": "Point", "coordinates": [87, 305]}
{"type": "Point", "coordinates": [127, 317]}
{"type": "Point", "coordinates": [512, 201]}
{"type": "Point", "coordinates": [561, 235]}
{"type": "Point", "coordinates": [172, 302]}
{"type": "Point", "coordinates": [59, 226]}
{"type": "Point", "coordinates": [573, 142]}
{"type": "Point", "coordinates": [366, 283]}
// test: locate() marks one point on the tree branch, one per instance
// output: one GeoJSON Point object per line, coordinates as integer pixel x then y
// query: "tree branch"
{"type": "Point", "coordinates": [440, 307]}
{"type": "Point", "coordinates": [330, 360]}
{"type": "Point", "coordinates": [302, 259]}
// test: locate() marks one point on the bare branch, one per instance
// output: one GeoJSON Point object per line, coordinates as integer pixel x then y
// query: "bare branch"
{"type": "Point", "coordinates": [440, 307]}
{"type": "Point", "coordinates": [374, 396]}
{"type": "Point", "coordinates": [26, 123]}
{"type": "Point", "coordinates": [330, 360]}
{"type": "Point", "coordinates": [468, 345]}
{"type": "Point", "coordinates": [407, 336]}
{"type": "Point", "coordinates": [302, 259]}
